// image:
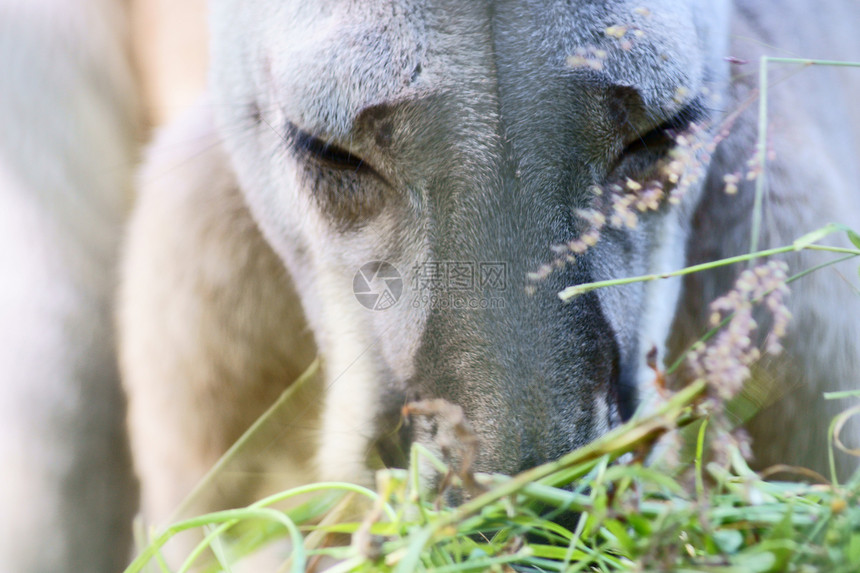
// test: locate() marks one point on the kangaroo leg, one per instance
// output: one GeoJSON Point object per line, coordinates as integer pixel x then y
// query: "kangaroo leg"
{"type": "Point", "coordinates": [211, 333]}
{"type": "Point", "coordinates": [67, 151]}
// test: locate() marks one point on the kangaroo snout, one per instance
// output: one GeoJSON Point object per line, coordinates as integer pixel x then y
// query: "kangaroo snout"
{"type": "Point", "coordinates": [531, 388]}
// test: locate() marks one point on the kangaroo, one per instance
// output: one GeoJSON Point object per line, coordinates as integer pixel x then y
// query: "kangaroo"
{"type": "Point", "coordinates": [377, 183]}
{"type": "Point", "coordinates": [373, 148]}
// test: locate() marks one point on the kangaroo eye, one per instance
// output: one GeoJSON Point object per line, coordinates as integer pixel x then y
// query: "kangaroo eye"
{"type": "Point", "coordinates": [662, 137]}
{"type": "Point", "coordinates": [325, 153]}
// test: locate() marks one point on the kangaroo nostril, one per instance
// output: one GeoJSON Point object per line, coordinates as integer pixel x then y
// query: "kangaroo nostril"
{"type": "Point", "coordinates": [623, 383]}
{"type": "Point", "coordinates": [624, 387]}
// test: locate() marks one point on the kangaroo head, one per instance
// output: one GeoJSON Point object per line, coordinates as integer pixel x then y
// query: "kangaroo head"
{"type": "Point", "coordinates": [431, 153]}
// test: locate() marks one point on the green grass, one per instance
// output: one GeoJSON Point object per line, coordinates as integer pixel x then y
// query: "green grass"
{"type": "Point", "coordinates": [624, 515]}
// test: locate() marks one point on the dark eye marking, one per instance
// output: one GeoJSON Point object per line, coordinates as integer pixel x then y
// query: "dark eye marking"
{"type": "Point", "coordinates": [323, 152]}
{"type": "Point", "coordinates": [663, 136]}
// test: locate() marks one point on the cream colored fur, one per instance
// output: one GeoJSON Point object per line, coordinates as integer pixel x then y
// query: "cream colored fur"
{"type": "Point", "coordinates": [201, 359]}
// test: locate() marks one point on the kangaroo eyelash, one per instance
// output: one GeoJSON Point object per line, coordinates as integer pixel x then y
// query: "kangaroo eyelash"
{"type": "Point", "coordinates": [325, 153]}
{"type": "Point", "coordinates": [664, 134]}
